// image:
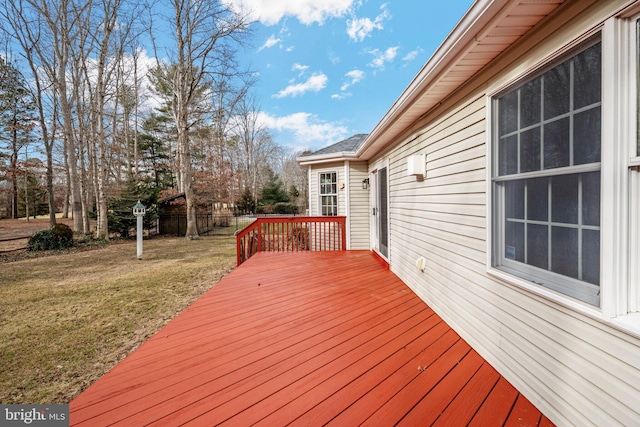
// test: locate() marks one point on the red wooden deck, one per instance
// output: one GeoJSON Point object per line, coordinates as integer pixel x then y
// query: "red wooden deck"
{"type": "Point", "coordinates": [308, 339]}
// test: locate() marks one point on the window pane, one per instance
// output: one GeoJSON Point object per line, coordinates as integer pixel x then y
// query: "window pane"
{"type": "Point", "coordinates": [586, 137]}
{"type": "Point", "coordinates": [564, 251]}
{"type": "Point", "coordinates": [530, 99]}
{"type": "Point", "coordinates": [508, 161]}
{"type": "Point", "coordinates": [591, 256]}
{"type": "Point", "coordinates": [514, 239]}
{"type": "Point", "coordinates": [564, 199]}
{"type": "Point", "coordinates": [587, 75]}
{"type": "Point", "coordinates": [551, 222]}
{"type": "Point", "coordinates": [556, 144]}
{"type": "Point", "coordinates": [538, 245]}
{"type": "Point", "coordinates": [530, 150]}
{"type": "Point", "coordinates": [514, 199]}
{"type": "Point", "coordinates": [538, 199]}
{"type": "Point", "coordinates": [329, 205]}
{"type": "Point", "coordinates": [557, 90]}
{"type": "Point", "coordinates": [508, 106]}
{"type": "Point", "coordinates": [328, 183]}
{"type": "Point", "coordinates": [591, 198]}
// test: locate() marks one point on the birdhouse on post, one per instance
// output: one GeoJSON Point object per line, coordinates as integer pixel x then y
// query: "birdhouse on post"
{"type": "Point", "coordinates": [138, 212]}
{"type": "Point", "coordinates": [139, 209]}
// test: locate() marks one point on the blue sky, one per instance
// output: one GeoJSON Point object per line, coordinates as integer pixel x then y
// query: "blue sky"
{"type": "Point", "coordinates": [329, 69]}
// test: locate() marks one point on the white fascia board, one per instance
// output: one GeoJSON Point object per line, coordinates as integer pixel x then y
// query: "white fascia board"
{"type": "Point", "coordinates": [326, 158]}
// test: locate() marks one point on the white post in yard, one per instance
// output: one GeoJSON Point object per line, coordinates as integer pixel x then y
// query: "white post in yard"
{"type": "Point", "coordinates": [138, 211]}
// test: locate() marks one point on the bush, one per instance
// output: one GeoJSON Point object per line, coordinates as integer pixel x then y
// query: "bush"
{"type": "Point", "coordinates": [64, 234]}
{"type": "Point", "coordinates": [59, 236]}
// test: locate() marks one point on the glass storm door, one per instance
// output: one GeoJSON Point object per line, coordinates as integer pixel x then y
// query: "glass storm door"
{"type": "Point", "coordinates": [380, 212]}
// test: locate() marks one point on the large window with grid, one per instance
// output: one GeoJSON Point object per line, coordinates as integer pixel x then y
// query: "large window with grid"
{"type": "Point", "coordinates": [546, 176]}
{"type": "Point", "coordinates": [328, 193]}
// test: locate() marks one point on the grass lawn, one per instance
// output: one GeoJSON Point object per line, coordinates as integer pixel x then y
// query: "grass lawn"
{"type": "Point", "coordinates": [67, 319]}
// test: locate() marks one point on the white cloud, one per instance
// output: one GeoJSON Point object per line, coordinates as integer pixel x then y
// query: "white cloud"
{"type": "Point", "coordinates": [301, 68]}
{"type": "Point", "coordinates": [412, 55]}
{"type": "Point", "coordinates": [343, 95]}
{"type": "Point", "coordinates": [270, 12]}
{"type": "Point", "coordinates": [271, 41]}
{"type": "Point", "coordinates": [360, 28]}
{"type": "Point", "coordinates": [381, 58]}
{"type": "Point", "coordinates": [314, 83]}
{"type": "Point", "coordinates": [307, 129]}
{"type": "Point", "coordinates": [354, 77]}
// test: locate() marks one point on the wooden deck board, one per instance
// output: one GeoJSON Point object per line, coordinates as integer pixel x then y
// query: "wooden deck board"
{"type": "Point", "coordinates": [311, 338]}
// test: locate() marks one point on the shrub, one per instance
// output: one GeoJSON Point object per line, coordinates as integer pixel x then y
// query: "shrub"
{"type": "Point", "coordinates": [59, 236]}
{"type": "Point", "coordinates": [64, 234]}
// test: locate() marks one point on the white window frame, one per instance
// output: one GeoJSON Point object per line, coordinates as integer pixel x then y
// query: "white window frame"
{"type": "Point", "coordinates": [620, 177]}
{"type": "Point", "coordinates": [625, 35]}
{"type": "Point", "coordinates": [566, 285]}
{"type": "Point", "coordinates": [321, 195]}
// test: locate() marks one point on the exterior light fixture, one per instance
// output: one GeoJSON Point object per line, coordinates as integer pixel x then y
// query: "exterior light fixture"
{"type": "Point", "coordinates": [365, 183]}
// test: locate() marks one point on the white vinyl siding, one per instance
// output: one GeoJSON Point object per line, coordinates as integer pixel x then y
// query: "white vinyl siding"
{"type": "Point", "coordinates": [358, 206]}
{"type": "Point", "coordinates": [574, 366]}
{"type": "Point", "coordinates": [314, 186]}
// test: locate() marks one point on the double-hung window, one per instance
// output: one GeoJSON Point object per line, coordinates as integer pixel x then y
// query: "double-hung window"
{"type": "Point", "coordinates": [546, 176]}
{"type": "Point", "coordinates": [328, 193]}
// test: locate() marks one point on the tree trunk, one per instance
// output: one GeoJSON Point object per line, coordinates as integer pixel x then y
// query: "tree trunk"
{"type": "Point", "coordinates": [187, 181]}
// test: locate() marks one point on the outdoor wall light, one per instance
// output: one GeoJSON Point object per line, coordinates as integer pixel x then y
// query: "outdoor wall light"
{"type": "Point", "coordinates": [365, 183]}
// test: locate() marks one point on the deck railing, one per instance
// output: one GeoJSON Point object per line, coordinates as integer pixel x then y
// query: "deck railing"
{"type": "Point", "coordinates": [291, 234]}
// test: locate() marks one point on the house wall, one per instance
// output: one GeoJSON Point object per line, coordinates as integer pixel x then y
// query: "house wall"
{"type": "Point", "coordinates": [353, 201]}
{"type": "Point", "coordinates": [314, 190]}
{"type": "Point", "coordinates": [358, 217]}
{"type": "Point", "coordinates": [576, 368]}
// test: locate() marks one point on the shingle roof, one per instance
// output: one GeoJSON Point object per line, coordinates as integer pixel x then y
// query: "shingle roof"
{"type": "Point", "coordinates": [348, 145]}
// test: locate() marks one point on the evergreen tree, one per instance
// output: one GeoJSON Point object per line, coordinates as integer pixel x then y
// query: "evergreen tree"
{"type": "Point", "coordinates": [17, 120]}
{"type": "Point", "coordinates": [246, 204]}
{"type": "Point", "coordinates": [273, 190]}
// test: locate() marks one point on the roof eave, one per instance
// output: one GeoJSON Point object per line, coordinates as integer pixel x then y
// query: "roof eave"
{"type": "Point", "coordinates": [327, 158]}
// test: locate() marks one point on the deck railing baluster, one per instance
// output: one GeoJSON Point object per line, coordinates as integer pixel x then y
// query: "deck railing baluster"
{"type": "Point", "coordinates": [291, 234]}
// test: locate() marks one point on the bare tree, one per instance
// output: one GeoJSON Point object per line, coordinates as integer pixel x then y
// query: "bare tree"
{"type": "Point", "coordinates": [295, 178]}
{"type": "Point", "coordinates": [256, 148]}
{"type": "Point", "coordinates": [29, 31]}
{"type": "Point", "coordinates": [108, 33]}
{"type": "Point", "coordinates": [48, 30]}
{"type": "Point", "coordinates": [206, 34]}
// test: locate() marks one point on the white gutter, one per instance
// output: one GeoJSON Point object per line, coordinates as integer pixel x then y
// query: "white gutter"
{"type": "Point", "coordinates": [327, 158]}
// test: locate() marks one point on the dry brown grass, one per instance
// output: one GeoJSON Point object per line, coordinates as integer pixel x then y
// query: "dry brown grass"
{"type": "Point", "coordinates": [67, 319]}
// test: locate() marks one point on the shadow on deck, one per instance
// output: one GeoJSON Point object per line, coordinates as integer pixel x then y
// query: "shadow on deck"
{"type": "Point", "coordinates": [310, 338]}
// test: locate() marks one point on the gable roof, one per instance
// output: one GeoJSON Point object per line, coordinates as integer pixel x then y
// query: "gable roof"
{"type": "Point", "coordinates": [342, 150]}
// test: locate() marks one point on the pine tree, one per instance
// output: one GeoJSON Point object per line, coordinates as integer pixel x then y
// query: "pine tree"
{"type": "Point", "coordinates": [17, 121]}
